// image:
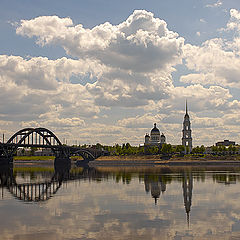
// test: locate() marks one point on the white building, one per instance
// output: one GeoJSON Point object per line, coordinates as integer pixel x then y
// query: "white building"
{"type": "Point", "coordinates": [155, 138]}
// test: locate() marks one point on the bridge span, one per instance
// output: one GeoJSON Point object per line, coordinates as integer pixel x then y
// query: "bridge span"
{"type": "Point", "coordinates": [44, 138]}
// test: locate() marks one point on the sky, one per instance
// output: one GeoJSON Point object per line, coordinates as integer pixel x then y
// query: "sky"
{"type": "Point", "coordinates": [106, 71]}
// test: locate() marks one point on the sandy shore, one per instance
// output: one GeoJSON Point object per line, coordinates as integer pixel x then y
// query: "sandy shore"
{"type": "Point", "coordinates": [155, 160]}
{"type": "Point", "coordinates": [163, 163]}
{"type": "Point", "coordinates": [148, 161]}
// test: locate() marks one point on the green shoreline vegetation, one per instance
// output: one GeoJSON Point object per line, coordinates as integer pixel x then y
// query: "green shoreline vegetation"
{"type": "Point", "coordinates": [35, 158]}
{"type": "Point", "coordinates": [185, 158]}
{"type": "Point", "coordinates": [166, 152]}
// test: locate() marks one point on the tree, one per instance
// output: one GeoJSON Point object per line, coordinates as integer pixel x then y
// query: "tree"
{"type": "Point", "coordinates": [118, 149]}
{"type": "Point", "coordinates": [128, 145]}
{"type": "Point", "coordinates": [231, 149]}
{"type": "Point", "coordinates": [214, 149]}
{"type": "Point", "coordinates": [152, 150]}
{"type": "Point", "coordinates": [234, 149]}
{"type": "Point", "coordinates": [166, 148]}
{"type": "Point", "coordinates": [180, 149]}
{"type": "Point", "coordinates": [196, 150]}
{"type": "Point", "coordinates": [202, 149]}
{"type": "Point", "coordinates": [99, 146]}
{"type": "Point", "coordinates": [221, 149]}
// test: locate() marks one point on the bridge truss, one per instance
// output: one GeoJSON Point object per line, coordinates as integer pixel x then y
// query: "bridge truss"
{"type": "Point", "coordinates": [43, 138]}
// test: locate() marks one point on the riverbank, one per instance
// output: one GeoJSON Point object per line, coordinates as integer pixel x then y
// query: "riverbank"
{"type": "Point", "coordinates": [154, 160]}
{"type": "Point", "coordinates": [145, 160]}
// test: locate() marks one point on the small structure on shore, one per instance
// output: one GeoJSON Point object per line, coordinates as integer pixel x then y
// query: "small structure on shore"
{"type": "Point", "coordinates": [226, 143]}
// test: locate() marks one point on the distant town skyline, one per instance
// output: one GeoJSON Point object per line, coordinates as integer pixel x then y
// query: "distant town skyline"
{"type": "Point", "coordinates": [105, 71]}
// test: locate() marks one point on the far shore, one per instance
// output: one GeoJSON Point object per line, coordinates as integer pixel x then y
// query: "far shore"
{"type": "Point", "coordinates": [144, 160]}
{"type": "Point", "coordinates": [175, 161]}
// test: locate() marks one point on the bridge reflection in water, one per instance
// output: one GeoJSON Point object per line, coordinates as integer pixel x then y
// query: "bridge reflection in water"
{"type": "Point", "coordinates": [43, 190]}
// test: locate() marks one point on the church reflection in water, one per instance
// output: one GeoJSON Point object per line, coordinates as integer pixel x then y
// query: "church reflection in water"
{"type": "Point", "coordinates": [156, 185]}
{"type": "Point", "coordinates": [45, 185]}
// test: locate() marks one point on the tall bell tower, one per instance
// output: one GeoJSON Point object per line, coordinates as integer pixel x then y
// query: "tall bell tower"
{"type": "Point", "coordinates": [187, 132]}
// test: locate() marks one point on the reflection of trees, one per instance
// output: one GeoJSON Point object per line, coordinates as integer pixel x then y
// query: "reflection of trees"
{"type": "Point", "coordinates": [226, 178]}
{"type": "Point", "coordinates": [125, 177]}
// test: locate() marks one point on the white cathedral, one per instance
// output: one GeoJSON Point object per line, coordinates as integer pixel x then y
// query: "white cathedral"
{"type": "Point", "coordinates": [155, 138]}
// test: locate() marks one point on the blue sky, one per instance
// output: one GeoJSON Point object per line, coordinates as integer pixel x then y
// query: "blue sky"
{"type": "Point", "coordinates": [110, 87]}
{"type": "Point", "coordinates": [181, 16]}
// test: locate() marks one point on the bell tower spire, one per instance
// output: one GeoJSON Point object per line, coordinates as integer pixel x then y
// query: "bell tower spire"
{"type": "Point", "coordinates": [186, 107]}
{"type": "Point", "coordinates": [187, 132]}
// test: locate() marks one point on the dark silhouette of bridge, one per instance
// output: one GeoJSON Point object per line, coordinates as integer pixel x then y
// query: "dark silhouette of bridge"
{"type": "Point", "coordinates": [45, 190]}
{"type": "Point", "coordinates": [44, 138]}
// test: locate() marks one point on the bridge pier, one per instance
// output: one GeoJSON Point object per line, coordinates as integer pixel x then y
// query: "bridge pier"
{"type": "Point", "coordinates": [82, 163]}
{"type": "Point", "coordinates": [5, 160]}
{"type": "Point", "coordinates": [62, 161]}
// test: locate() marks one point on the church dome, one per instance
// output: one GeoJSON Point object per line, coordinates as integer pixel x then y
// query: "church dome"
{"type": "Point", "coordinates": [155, 130]}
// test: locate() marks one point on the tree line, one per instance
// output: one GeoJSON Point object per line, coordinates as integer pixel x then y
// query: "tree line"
{"type": "Point", "coordinates": [164, 149]}
{"type": "Point", "coordinates": [127, 149]}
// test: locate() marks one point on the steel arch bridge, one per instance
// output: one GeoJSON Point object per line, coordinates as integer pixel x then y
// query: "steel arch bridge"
{"type": "Point", "coordinates": [43, 138]}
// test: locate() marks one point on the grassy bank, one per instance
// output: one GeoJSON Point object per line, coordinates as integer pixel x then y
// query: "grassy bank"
{"type": "Point", "coordinates": [129, 157]}
{"type": "Point", "coordinates": [33, 158]}
{"type": "Point", "coordinates": [136, 158]}
{"type": "Point", "coordinates": [186, 158]}
{"type": "Point", "coordinates": [41, 158]}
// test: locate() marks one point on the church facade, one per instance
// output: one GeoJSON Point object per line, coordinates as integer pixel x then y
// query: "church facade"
{"type": "Point", "coordinates": [155, 138]}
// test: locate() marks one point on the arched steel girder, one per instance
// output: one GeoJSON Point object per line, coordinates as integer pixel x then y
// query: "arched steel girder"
{"type": "Point", "coordinates": [83, 154]}
{"type": "Point", "coordinates": [27, 132]}
{"type": "Point", "coordinates": [32, 130]}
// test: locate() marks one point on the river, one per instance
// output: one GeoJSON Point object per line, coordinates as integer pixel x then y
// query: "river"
{"type": "Point", "coordinates": [40, 202]}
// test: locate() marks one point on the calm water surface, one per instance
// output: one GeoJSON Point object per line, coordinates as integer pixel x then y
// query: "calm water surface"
{"type": "Point", "coordinates": [119, 203]}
